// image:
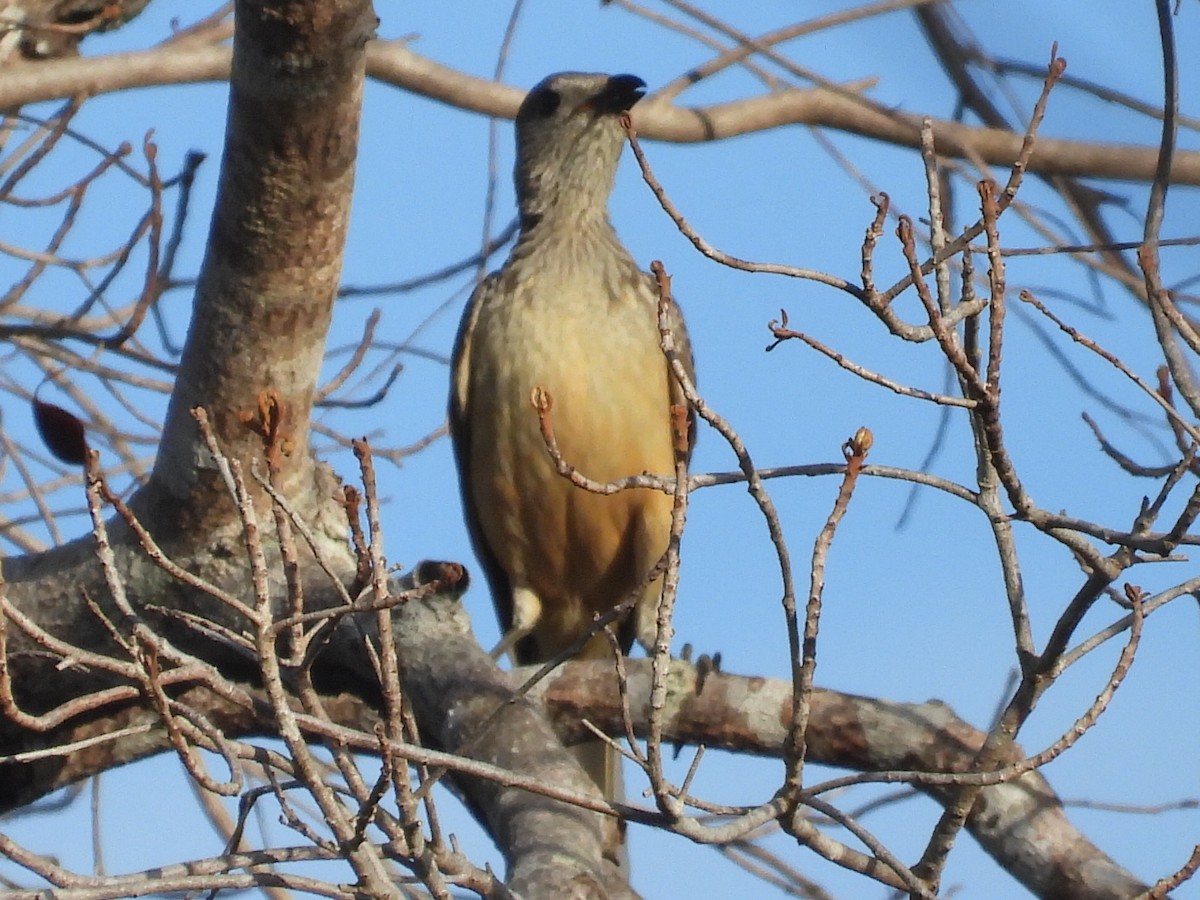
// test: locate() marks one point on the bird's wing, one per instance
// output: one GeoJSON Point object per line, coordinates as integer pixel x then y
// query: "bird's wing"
{"type": "Point", "coordinates": [460, 436]}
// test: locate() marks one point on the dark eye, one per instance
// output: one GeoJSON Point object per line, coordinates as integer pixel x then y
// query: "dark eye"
{"type": "Point", "coordinates": [544, 103]}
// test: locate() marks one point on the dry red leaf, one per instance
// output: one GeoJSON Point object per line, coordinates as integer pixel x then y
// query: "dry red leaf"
{"type": "Point", "coordinates": [61, 431]}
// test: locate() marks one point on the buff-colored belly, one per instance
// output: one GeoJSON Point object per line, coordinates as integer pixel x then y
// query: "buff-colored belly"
{"type": "Point", "coordinates": [579, 552]}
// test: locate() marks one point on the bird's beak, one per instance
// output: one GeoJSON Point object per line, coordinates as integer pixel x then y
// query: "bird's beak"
{"type": "Point", "coordinates": [617, 96]}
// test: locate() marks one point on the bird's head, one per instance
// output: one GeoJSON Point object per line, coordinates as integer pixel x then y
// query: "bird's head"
{"type": "Point", "coordinates": [569, 139]}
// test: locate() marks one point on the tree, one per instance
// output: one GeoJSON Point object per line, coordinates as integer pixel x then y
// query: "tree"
{"type": "Point", "coordinates": [215, 599]}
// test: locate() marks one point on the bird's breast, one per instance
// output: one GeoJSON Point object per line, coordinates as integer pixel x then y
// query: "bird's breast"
{"type": "Point", "coordinates": [592, 344]}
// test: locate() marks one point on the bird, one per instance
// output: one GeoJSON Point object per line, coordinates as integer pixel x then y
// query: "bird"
{"type": "Point", "coordinates": [569, 312]}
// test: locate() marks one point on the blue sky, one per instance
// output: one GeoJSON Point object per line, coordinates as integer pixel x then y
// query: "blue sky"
{"type": "Point", "coordinates": [911, 613]}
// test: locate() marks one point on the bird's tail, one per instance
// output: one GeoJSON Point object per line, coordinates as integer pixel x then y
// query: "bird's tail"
{"type": "Point", "coordinates": [602, 763]}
